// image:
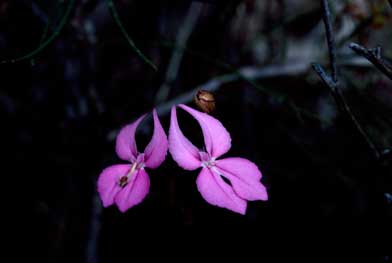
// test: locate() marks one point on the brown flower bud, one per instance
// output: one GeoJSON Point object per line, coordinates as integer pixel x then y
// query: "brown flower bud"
{"type": "Point", "coordinates": [205, 101]}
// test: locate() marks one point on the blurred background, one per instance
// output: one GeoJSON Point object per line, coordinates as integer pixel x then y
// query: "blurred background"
{"type": "Point", "coordinates": [71, 77]}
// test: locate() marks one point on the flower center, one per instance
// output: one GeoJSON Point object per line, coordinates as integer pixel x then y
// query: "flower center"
{"type": "Point", "coordinates": [123, 181]}
{"type": "Point", "coordinates": [206, 160]}
{"type": "Point", "coordinates": [137, 165]}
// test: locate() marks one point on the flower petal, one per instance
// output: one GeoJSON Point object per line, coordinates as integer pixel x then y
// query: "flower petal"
{"type": "Point", "coordinates": [241, 166]}
{"type": "Point", "coordinates": [244, 176]}
{"type": "Point", "coordinates": [216, 192]}
{"type": "Point", "coordinates": [182, 150]}
{"type": "Point", "coordinates": [156, 150]}
{"type": "Point", "coordinates": [107, 183]}
{"type": "Point", "coordinates": [125, 143]}
{"type": "Point", "coordinates": [134, 192]}
{"type": "Point", "coordinates": [216, 137]}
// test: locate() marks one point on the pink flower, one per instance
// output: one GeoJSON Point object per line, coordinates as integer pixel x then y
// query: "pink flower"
{"type": "Point", "coordinates": [244, 176]}
{"type": "Point", "coordinates": [128, 184]}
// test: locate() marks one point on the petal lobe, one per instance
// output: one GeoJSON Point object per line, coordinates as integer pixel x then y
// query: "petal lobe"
{"type": "Point", "coordinates": [216, 138]}
{"type": "Point", "coordinates": [107, 184]}
{"type": "Point", "coordinates": [134, 192]}
{"type": "Point", "coordinates": [125, 143]}
{"type": "Point", "coordinates": [156, 150]}
{"type": "Point", "coordinates": [216, 192]}
{"type": "Point", "coordinates": [182, 150]}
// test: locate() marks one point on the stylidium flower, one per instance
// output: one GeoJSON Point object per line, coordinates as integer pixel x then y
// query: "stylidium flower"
{"type": "Point", "coordinates": [243, 175]}
{"type": "Point", "coordinates": [127, 185]}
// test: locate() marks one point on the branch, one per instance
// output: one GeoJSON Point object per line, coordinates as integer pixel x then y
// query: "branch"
{"type": "Point", "coordinates": [327, 80]}
{"type": "Point", "coordinates": [344, 107]}
{"type": "Point", "coordinates": [374, 56]}
{"type": "Point", "coordinates": [127, 37]}
{"type": "Point", "coordinates": [330, 39]}
{"type": "Point", "coordinates": [248, 73]}
{"type": "Point", "coordinates": [332, 81]}
{"type": "Point", "coordinates": [182, 38]}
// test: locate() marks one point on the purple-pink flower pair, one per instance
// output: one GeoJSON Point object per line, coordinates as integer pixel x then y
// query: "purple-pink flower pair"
{"type": "Point", "coordinates": [128, 184]}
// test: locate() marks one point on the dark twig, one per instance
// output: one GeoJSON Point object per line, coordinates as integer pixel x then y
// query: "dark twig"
{"type": "Point", "coordinates": [374, 56]}
{"type": "Point", "coordinates": [95, 227]}
{"type": "Point", "coordinates": [343, 106]}
{"type": "Point", "coordinates": [332, 81]}
{"type": "Point", "coordinates": [330, 39]}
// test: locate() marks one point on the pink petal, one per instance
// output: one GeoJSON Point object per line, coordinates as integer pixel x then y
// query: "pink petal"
{"type": "Point", "coordinates": [125, 144]}
{"type": "Point", "coordinates": [241, 166]}
{"type": "Point", "coordinates": [156, 150]}
{"type": "Point", "coordinates": [107, 183]}
{"type": "Point", "coordinates": [244, 176]}
{"type": "Point", "coordinates": [216, 192]}
{"type": "Point", "coordinates": [182, 150]}
{"type": "Point", "coordinates": [134, 192]}
{"type": "Point", "coordinates": [216, 137]}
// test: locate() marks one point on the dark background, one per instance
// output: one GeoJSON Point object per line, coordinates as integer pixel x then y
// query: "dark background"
{"type": "Point", "coordinates": [62, 107]}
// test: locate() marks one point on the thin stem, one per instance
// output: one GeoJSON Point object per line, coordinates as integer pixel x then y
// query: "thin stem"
{"type": "Point", "coordinates": [46, 29]}
{"type": "Point", "coordinates": [44, 34]}
{"type": "Point", "coordinates": [117, 19]}
{"type": "Point", "coordinates": [327, 80]}
{"type": "Point", "coordinates": [95, 227]}
{"type": "Point", "coordinates": [374, 56]}
{"type": "Point", "coordinates": [330, 39]}
{"type": "Point", "coordinates": [46, 43]}
{"type": "Point", "coordinates": [50, 22]}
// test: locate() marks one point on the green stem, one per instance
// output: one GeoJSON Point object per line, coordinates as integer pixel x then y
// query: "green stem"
{"type": "Point", "coordinates": [48, 41]}
{"type": "Point", "coordinates": [116, 17]}
{"type": "Point", "coordinates": [44, 34]}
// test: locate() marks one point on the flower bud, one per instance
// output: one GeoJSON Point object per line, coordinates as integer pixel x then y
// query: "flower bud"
{"type": "Point", "coordinates": [205, 101]}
